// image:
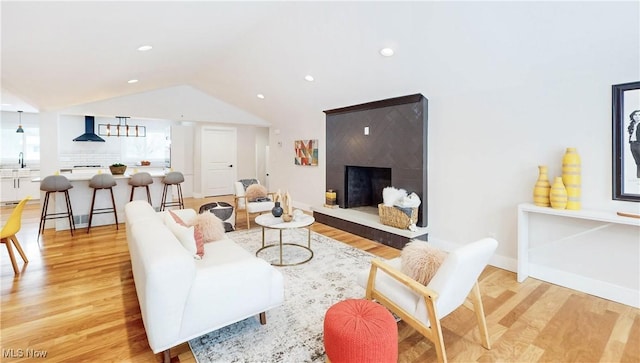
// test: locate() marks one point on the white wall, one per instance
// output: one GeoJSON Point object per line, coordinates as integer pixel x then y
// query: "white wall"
{"type": "Point", "coordinates": [537, 79]}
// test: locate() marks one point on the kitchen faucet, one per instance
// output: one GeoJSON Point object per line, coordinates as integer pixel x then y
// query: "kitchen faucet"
{"type": "Point", "coordinates": [21, 159]}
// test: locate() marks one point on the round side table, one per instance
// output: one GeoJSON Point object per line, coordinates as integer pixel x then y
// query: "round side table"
{"type": "Point", "coordinates": [271, 222]}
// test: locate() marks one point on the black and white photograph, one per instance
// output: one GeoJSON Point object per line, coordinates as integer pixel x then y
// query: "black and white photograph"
{"type": "Point", "coordinates": [626, 141]}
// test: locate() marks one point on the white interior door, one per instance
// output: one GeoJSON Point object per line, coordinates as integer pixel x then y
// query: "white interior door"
{"type": "Point", "coordinates": [218, 157]}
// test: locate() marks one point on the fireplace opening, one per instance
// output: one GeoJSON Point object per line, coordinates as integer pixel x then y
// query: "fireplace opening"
{"type": "Point", "coordinates": [364, 185]}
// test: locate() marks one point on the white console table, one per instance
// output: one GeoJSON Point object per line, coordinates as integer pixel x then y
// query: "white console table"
{"type": "Point", "coordinates": [595, 252]}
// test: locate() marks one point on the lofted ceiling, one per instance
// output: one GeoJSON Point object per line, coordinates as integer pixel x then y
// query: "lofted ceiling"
{"type": "Point", "coordinates": [60, 54]}
{"type": "Point", "coordinates": [56, 55]}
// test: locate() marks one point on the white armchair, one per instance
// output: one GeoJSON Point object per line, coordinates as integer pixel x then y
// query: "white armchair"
{"type": "Point", "coordinates": [241, 203]}
{"type": "Point", "coordinates": [422, 307]}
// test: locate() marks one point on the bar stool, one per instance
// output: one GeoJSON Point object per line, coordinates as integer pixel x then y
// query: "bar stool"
{"type": "Point", "coordinates": [55, 184]}
{"type": "Point", "coordinates": [102, 181]}
{"type": "Point", "coordinates": [142, 179]}
{"type": "Point", "coordinates": [172, 178]}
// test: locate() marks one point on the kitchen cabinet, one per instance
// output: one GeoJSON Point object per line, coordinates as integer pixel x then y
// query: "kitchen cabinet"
{"type": "Point", "coordinates": [16, 184]}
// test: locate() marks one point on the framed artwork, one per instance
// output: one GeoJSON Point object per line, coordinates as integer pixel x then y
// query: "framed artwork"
{"type": "Point", "coordinates": [306, 152]}
{"type": "Point", "coordinates": [626, 141]}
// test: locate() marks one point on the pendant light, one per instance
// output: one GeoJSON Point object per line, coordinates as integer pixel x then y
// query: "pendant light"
{"type": "Point", "coordinates": [20, 130]}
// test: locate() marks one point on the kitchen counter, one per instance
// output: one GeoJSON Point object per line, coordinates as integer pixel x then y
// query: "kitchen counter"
{"type": "Point", "coordinates": [87, 174]}
{"type": "Point", "coordinates": [81, 195]}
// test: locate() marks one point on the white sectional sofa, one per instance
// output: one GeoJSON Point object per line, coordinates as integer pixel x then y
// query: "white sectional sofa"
{"type": "Point", "coordinates": [181, 297]}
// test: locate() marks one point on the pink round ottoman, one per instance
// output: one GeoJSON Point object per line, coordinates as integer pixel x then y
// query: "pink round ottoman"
{"type": "Point", "coordinates": [357, 330]}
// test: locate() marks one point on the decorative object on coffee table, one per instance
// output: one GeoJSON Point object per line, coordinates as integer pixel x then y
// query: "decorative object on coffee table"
{"type": "Point", "coordinates": [287, 204]}
{"type": "Point", "coordinates": [287, 217]}
{"type": "Point", "coordinates": [277, 210]}
{"type": "Point", "coordinates": [117, 168]}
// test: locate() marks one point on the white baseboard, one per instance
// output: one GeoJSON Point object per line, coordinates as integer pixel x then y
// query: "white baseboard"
{"type": "Point", "coordinates": [503, 262]}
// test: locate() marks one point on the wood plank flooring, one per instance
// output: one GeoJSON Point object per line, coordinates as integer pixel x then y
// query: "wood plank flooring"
{"type": "Point", "coordinates": [75, 301]}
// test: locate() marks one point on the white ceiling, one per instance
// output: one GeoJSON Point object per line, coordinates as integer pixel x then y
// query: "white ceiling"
{"type": "Point", "coordinates": [59, 54]}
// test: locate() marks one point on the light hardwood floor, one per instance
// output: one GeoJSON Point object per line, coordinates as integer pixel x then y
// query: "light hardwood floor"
{"type": "Point", "coordinates": [75, 301]}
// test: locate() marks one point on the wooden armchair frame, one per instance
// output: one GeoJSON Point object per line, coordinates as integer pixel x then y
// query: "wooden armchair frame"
{"type": "Point", "coordinates": [236, 198]}
{"type": "Point", "coordinates": [433, 332]}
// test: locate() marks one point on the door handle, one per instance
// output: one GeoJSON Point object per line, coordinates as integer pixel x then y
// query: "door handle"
{"type": "Point", "coordinates": [231, 165]}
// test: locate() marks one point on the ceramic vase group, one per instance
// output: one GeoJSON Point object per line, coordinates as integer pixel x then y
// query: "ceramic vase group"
{"type": "Point", "coordinates": [564, 192]}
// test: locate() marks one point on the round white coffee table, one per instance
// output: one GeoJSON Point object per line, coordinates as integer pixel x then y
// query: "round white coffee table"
{"type": "Point", "coordinates": [271, 222]}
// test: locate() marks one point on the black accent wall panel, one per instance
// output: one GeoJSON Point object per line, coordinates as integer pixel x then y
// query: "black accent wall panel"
{"type": "Point", "coordinates": [397, 140]}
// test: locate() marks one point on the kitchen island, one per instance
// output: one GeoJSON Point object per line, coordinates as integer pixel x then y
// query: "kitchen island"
{"type": "Point", "coordinates": [81, 195]}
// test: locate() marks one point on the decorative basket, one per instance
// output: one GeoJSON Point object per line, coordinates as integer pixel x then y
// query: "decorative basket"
{"type": "Point", "coordinates": [395, 217]}
{"type": "Point", "coordinates": [118, 170]}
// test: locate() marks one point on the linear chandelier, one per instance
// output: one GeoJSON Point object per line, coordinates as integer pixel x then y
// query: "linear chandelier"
{"type": "Point", "coordinates": [122, 128]}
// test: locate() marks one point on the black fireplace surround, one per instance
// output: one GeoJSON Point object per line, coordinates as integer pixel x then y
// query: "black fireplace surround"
{"type": "Point", "coordinates": [375, 145]}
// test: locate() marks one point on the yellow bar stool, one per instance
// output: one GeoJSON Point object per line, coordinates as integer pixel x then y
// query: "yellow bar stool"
{"type": "Point", "coordinates": [173, 178]}
{"type": "Point", "coordinates": [142, 179]}
{"type": "Point", "coordinates": [97, 182]}
{"type": "Point", "coordinates": [9, 231]}
{"type": "Point", "coordinates": [56, 184]}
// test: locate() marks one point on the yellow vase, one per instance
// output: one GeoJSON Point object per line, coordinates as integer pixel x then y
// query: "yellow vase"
{"type": "Point", "coordinates": [571, 177]}
{"type": "Point", "coordinates": [558, 194]}
{"type": "Point", "coordinates": [542, 187]}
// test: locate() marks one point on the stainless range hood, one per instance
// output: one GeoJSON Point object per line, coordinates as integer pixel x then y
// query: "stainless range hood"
{"type": "Point", "coordinates": [89, 133]}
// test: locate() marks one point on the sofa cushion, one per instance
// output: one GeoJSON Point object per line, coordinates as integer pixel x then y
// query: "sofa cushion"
{"type": "Point", "coordinates": [189, 236]}
{"type": "Point", "coordinates": [210, 225]}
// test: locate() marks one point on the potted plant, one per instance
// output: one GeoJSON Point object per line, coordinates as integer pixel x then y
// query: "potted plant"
{"type": "Point", "coordinates": [117, 168]}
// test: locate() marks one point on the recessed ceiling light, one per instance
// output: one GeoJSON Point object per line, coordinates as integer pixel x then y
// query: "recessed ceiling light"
{"type": "Point", "coordinates": [260, 96]}
{"type": "Point", "coordinates": [309, 78]}
{"type": "Point", "coordinates": [144, 48]}
{"type": "Point", "coordinates": [387, 52]}
{"type": "Point", "coordinates": [132, 81]}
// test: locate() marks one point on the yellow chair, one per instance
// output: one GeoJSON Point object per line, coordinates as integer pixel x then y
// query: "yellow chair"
{"type": "Point", "coordinates": [8, 234]}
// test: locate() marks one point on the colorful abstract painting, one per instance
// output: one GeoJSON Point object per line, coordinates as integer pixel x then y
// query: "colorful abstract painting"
{"type": "Point", "coordinates": [306, 152]}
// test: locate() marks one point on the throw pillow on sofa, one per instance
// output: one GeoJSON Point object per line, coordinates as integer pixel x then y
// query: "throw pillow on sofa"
{"type": "Point", "coordinates": [255, 192]}
{"type": "Point", "coordinates": [210, 225]}
{"type": "Point", "coordinates": [421, 261]}
{"type": "Point", "coordinates": [189, 236]}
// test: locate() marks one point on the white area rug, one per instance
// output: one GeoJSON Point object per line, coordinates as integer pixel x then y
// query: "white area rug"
{"type": "Point", "coordinates": [293, 332]}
